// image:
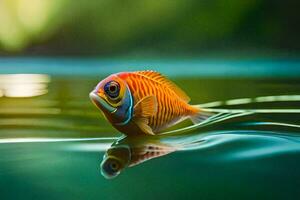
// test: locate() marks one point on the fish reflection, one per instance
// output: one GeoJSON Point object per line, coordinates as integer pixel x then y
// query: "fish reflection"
{"type": "Point", "coordinates": [129, 151]}
{"type": "Point", "coordinates": [228, 125]}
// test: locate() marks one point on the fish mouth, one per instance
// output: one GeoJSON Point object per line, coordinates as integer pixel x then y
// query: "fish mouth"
{"type": "Point", "coordinates": [101, 102]}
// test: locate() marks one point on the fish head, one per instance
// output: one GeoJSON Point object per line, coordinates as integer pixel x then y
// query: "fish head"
{"type": "Point", "coordinates": [115, 160]}
{"type": "Point", "coordinates": [113, 97]}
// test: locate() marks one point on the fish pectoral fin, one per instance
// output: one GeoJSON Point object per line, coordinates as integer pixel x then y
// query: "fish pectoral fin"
{"type": "Point", "coordinates": [143, 124]}
{"type": "Point", "coordinates": [146, 107]}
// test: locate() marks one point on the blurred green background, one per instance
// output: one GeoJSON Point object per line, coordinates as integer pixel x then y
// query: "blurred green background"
{"type": "Point", "coordinates": [147, 27]}
{"type": "Point", "coordinates": [54, 52]}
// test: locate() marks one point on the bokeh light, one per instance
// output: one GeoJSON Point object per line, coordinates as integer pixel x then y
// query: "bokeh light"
{"type": "Point", "coordinates": [23, 85]}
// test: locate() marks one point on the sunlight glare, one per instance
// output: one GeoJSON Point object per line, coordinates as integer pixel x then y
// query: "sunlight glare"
{"type": "Point", "coordinates": [23, 85]}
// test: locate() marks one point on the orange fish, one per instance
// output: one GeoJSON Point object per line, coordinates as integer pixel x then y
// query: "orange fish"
{"type": "Point", "coordinates": [143, 102]}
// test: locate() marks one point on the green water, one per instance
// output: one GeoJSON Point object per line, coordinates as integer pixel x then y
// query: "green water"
{"type": "Point", "coordinates": [52, 145]}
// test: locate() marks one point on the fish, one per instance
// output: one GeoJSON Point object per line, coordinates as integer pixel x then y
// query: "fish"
{"type": "Point", "coordinates": [143, 102]}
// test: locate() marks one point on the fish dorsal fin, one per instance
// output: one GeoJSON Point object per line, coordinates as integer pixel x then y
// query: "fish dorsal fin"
{"type": "Point", "coordinates": [156, 76]}
{"type": "Point", "coordinates": [144, 109]}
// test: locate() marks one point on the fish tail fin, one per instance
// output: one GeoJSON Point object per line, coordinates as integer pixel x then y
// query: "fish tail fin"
{"type": "Point", "coordinates": [200, 115]}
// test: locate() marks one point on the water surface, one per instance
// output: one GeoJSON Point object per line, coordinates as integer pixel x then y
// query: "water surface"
{"type": "Point", "coordinates": [52, 141]}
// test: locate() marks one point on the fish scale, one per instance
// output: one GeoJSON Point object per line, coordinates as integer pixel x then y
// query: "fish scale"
{"type": "Point", "coordinates": [170, 107]}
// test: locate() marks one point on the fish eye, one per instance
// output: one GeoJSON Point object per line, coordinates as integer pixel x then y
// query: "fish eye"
{"type": "Point", "coordinates": [112, 89]}
{"type": "Point", "coordinates": [114, 166]}
{"type": "Point", "coordinates": [111, 167]}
